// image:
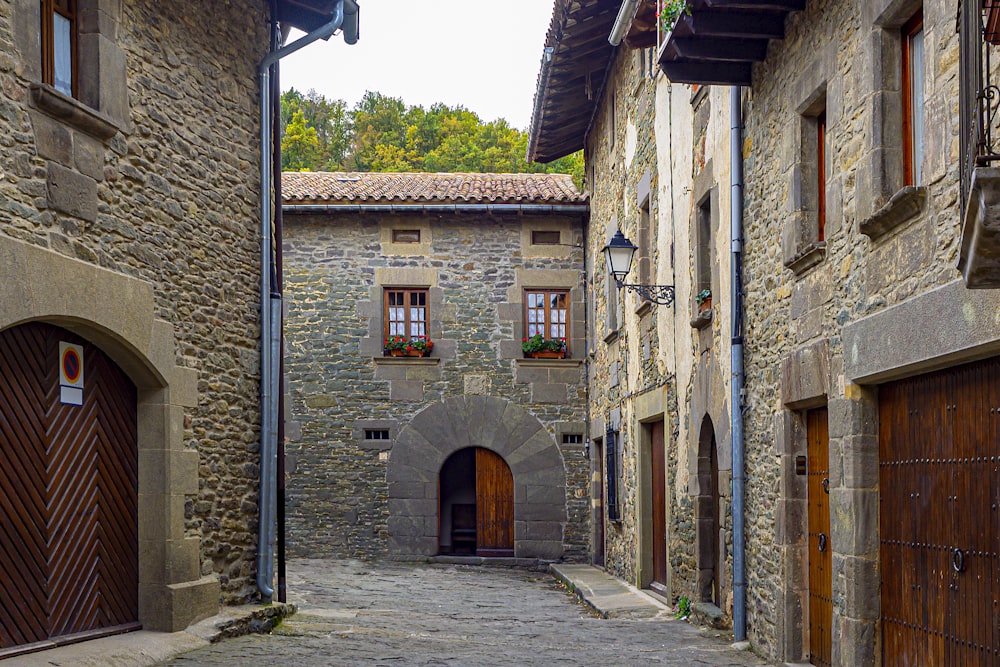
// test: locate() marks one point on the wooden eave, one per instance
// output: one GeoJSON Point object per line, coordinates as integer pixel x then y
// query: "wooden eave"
{"type": "Point", "coordinates": [573, 70]}
{"type": "Point", "coordinates": [306, 15]}
{"type": "Point", "coordinates": [718, 42]}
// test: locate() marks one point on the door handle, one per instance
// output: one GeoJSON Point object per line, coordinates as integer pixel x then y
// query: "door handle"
{"type": "Point", "coordinates": [822, 542]}
{"type": "Point", "coordinates": [958, 560]}
{"type": "Point", "coordinates": [826, 485]}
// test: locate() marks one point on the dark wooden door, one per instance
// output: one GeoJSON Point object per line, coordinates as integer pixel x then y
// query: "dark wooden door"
{"type": "Point", "coordinates": [494, 505]}
{"type": "Point", "coordinates": [939, 503]}
{"type": "Point", "coordinates": [659, 493]}
{"type": "Point", "coordinates": [820, 554]}
{"type": "Point", "coordinates": [598, 514]}
{"type": "Point", "coordinates": [68, 493]}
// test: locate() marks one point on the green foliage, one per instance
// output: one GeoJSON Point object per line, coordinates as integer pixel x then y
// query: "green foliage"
{"type": "Point", "coordinates": [703, 296]}
{"type": "Point", "coordinates": [671, 11]}
{"type": "Point", "coordinates": [683, 608]}
{"type": "Point", "coordinates": [382, 134]}
{"type": "Point", "coordinates": [539, 343]}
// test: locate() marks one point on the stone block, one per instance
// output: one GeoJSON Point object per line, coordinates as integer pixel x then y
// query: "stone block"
{"type": "Point", "coordinates": [860, 461]}
{"type": "Point", "coordinates": [790, 521]}
{"type": "Point", "coordinates": [549, 393]}
{"type": "Point", "coordinates": [423, 372]}
{"type": "Point", "coordinates": [72, 193]}
{"type": "Point", "coordinates": [528, 374]}
{"type": "Point", "coordinates": [544, 531]}
{"type": "Point", "coordinates": [854, 417]}
{"type": "Point", "coordinates": [412, 507]}
{"type": "Point", "coordinates": [406, 526]}
{"type": "Point", "coordinates": [385, 370]}
{"type": "Point", "coordinates": [788, 436]}
{"type": "Point", "coordinates": [53, 140]}
{"type": "Point", "coordinates": [183, 561]}
{"type": "Point", "coordinates": [854, 521]}
{"type": "Point", "coordinates": [544, 494]}
{"type": "Point", "coordinates": [856, 643]}
{"type": "Point", "coordinates": [793, 485]}
{"type": "Point", "coordinates": [805, 375]}
{"type": "Point", "coordinates": [861, 581]}
{"type": "Point", "coordinates": [542, 549]}
{"type": "Point", "coordinates": [406, 545]}
{"type": "Point", "coordinates": [88, 156]}
{"type": "Point", "coordinates": [406, 390]}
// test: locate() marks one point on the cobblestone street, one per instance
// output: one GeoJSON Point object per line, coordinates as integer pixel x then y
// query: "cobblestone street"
{"type": "Point", "coordinates": [353, 613]}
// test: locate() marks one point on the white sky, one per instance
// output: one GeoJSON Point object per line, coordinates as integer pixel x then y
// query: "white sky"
{"type": "Point", "coordinates": [479, 54]}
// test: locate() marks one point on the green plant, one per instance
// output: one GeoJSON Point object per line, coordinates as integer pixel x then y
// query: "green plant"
{"type": "Point", "coordinates": [703, 296]}
{"type": "Point", "coordinates": [671, 11]}
{"type": "Point", "coordinates": [417, 343]}
{"type": "Point", "coordinates": [683, 608]}
{"type": "Point", "coordinates": [539, 343]}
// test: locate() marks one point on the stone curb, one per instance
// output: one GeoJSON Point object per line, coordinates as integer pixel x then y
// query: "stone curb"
{"type": "Point", "coordinates": [607, 596]}
{"type": "Point", "coordinates": [145, 648]}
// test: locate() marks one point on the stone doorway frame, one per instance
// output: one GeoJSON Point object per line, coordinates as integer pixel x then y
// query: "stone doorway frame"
{"type": "Point", "coordinates": [117, 313]}
{"type": "Point", "coordinates": [493, 423]}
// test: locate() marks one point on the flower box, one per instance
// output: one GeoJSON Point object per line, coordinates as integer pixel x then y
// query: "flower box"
{"type": "Point", "coordinates": [548, 354]}
{"type": "Point", "coordinates": [409, 353]}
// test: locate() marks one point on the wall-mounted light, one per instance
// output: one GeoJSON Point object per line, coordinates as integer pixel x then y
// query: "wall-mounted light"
{"type": "Point", "coordinates": [619, 254]}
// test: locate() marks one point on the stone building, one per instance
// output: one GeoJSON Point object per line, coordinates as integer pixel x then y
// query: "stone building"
{"type": "Point", "coordinates": [471, 448]}
{"type": "Point", "coordinates": [129, 353]}
{"type": "Point", "coordinates": [657, 167]}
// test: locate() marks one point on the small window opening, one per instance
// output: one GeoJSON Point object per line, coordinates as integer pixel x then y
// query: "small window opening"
{"type": "Point", "coordinates": [572, 438]}
{"type": "Point", "coordinates": [539, 237]}
{"type": "Point", "coordinates": [406, 236]}
{"type": "Point", "coordinates": [376, 434]}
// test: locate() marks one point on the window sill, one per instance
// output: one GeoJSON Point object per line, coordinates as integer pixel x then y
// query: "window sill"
{"type": "Point", "coordinates": [643, 307]}
{"type": "Point", "coordinates": [611, 336]}
{"type": "Point", "coordinates": [901, 207]}
{"type": "Point", "coordinates": [402, 361]}
{"type": "Point", "coordinates": [979, 253]}
{"type": "Point", "coordinates": [72, 112]}
{"type": "Point", "coordinates": [808, 257]}
{"type": "Point", "coordinates": [702, 319]}
{"type": "Point", "coordinates": [548, 363]}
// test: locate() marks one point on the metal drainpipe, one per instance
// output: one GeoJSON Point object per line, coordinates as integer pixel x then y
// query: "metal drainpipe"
{"type": "Point", "coordinates": [736, 316]}
{"type": "Point", "coordinates": [270, 310]}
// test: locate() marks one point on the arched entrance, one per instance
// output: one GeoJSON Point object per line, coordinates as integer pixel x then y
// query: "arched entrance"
{"type": "Point", "coordinates": [476, 422]}
{"type": "Point", "coordinates": [477, 504]}
{"type": "Point", "coordinates": [707, 516]}
{"type": "Point", "coordinates": [68, 490]}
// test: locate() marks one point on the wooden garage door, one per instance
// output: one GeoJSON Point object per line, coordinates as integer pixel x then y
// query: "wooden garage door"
{"type": "Point", "coordinates": [940, 491]}
{"type": "Point", "coordinates": [68, 494]}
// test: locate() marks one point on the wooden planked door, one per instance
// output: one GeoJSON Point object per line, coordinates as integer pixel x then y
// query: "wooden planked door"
{"type": "Point", "coordinates": [601, 495]}
{"type": "Point", "coordinates": [820, 553]}
{"type": "Point", "coordinates": [659, 493]}
{"type": "Point", "coordinates": [69, 521]}
{"type": "Point", "coordinates": [939, 503]}
{"type": "Point", "coordinates": [494, 505]}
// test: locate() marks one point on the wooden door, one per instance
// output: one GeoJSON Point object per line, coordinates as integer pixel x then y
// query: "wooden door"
{"type": "Point", "coordinates": [598, 458]}
{"type": "Point", "coordinates": [494, 505]}
{"type": "Point", "coordinates": [820, 553]}
{"type": "Point", "coordinates": [68, 493]}
{"type": "Point", "coordinates": [659, 493]}
{"type": "Point", "coordinates": [939, 497]}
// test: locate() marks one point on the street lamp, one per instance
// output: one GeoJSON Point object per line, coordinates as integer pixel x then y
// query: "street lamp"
{"type": "Point", "coordinates": [619, 254]}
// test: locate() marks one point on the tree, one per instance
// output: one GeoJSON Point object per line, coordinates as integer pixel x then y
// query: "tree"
{"type": "Point", "coordinates": [300, 147]}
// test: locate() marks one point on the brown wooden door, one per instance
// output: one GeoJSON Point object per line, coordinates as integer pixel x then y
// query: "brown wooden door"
{"type": "Point", "coordinates": [598, 457]}
{"type": "Point", "coordinates": [68, 493]}
{"type": "Point", "coordinates": [939, 503]}
{"type": "Point", "coordinates": [820, 553]}
{"type": "Point", "coordinates": [494, 505]}
{"type": "Point", "coordinates": [659, 493]}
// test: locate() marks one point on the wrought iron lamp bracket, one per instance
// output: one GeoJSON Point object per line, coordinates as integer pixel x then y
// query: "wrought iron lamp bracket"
{"type": "Point", "coordinates": [659, 294]}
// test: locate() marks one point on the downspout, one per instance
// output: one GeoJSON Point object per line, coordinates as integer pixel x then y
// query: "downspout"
{"type": "Point", "coordinates": [270, 310]}
{"type": "Point", "coordinates": [736, 316]}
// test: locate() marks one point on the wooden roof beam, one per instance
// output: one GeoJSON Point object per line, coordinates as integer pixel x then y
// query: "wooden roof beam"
{"type": "Point", "coordinates": [736, 50]}
{"type": "Point", "coordinates": [713, 23]}
{"type": "Point", "coordinates": [721, 74]}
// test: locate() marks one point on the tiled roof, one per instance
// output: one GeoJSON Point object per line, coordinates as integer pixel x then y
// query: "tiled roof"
{"type": "Point", "coordinates": [378, 188]}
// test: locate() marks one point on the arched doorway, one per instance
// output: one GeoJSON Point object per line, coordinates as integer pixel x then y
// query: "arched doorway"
{"type": "Point", "coordinates": [477, 504]}
{"type": "Point", "coordinates": [68, 490]}
{"type": "Point", "coordinates": [707, 516]}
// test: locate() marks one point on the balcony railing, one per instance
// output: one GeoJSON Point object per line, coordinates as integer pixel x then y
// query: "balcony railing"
{"type": "Point", "coordinates": [979, 127]}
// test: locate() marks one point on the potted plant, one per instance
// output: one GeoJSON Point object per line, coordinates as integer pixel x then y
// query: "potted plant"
{"type": "Point", "coordinates": [401, 346]}
{"type": "Point", "coordinates": [540, 347]}
{"type": "Point", "coordinates": [670, 11]}
{"type": "Point", "coordinates": [704, 300]}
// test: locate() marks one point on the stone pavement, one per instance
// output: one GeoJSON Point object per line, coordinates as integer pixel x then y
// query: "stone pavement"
{"type": "Point", "coordinates": [353, 613]}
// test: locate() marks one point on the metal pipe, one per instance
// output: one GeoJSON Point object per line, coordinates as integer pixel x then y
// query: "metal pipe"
{"type": "Point", "coordinates": [623, 22]}
{"type": "Point", "coordinates": [435, 208]}
{"type": "Point", "coordinates": [270, 303]}
{"type": "Point", "coordinates": [736, 316]}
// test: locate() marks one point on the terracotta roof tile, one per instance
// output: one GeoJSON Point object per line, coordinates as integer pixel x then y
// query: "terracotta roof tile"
{"type": "Point", "coordinates": [375, 188]}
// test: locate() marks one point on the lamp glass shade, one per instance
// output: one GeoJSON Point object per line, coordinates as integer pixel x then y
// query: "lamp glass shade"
{"type": "Point", "coordinates": [618, 254]}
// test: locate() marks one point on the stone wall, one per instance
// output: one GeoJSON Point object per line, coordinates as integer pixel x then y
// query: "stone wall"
{"type": "Point", "coordinates": [805, 296]}
{"type": "Point", "coordinates": [476, 268]}
{"type": "Point", "coordinates": [153, 177]}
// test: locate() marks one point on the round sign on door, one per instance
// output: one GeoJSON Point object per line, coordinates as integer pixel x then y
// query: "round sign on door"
{"type": "Point", "coordinates": [71, 373]}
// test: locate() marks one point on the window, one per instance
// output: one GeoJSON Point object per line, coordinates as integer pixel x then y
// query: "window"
{"type": "Point", "coordinates": [913, 98]}
{"type": "Point", "coordinates": [703, 258]}
{"type": "Point", "coordinates": [59, 48]}
{"type": "Point", "coordinates": [611, 472]}
{"type": "Point", "coordinates": [611, 305]}
{"type": "Point", "coordinates": [642, 256]}
{"type": "Point", "coordinates": [821, 176]}
{"type": "Point", "coordinates": [539, 237]}
{"type": "Point", "coordinates": [547, 313]}
{"type": "Point", "coordinates": [406, 236]}
{"type": "Point", "coordinates": [406, 313]}
{"type": "Point", "coordinates": [376, 434]}
{"type": "Point", "coordinates": [572, 438]}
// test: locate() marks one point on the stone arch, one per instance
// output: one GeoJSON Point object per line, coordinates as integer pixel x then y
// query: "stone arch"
{"type": "Point", "coordinates": [708, 585]}
{"type": "Point", "coordinates": [117, 313]}
{"type": "Point", "coordinates": [493, 423]}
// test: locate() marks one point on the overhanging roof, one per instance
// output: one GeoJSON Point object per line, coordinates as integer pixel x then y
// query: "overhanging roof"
{"type": "Point", "coordinates": [574, 66]}
{"type": "Point", "coordinates": [721, 39]}
{"type": "Point", "coordinates": [306, 15]}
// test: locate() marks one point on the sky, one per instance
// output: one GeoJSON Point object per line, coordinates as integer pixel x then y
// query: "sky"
{"type": "Point", "coordinates": [479, 54]}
